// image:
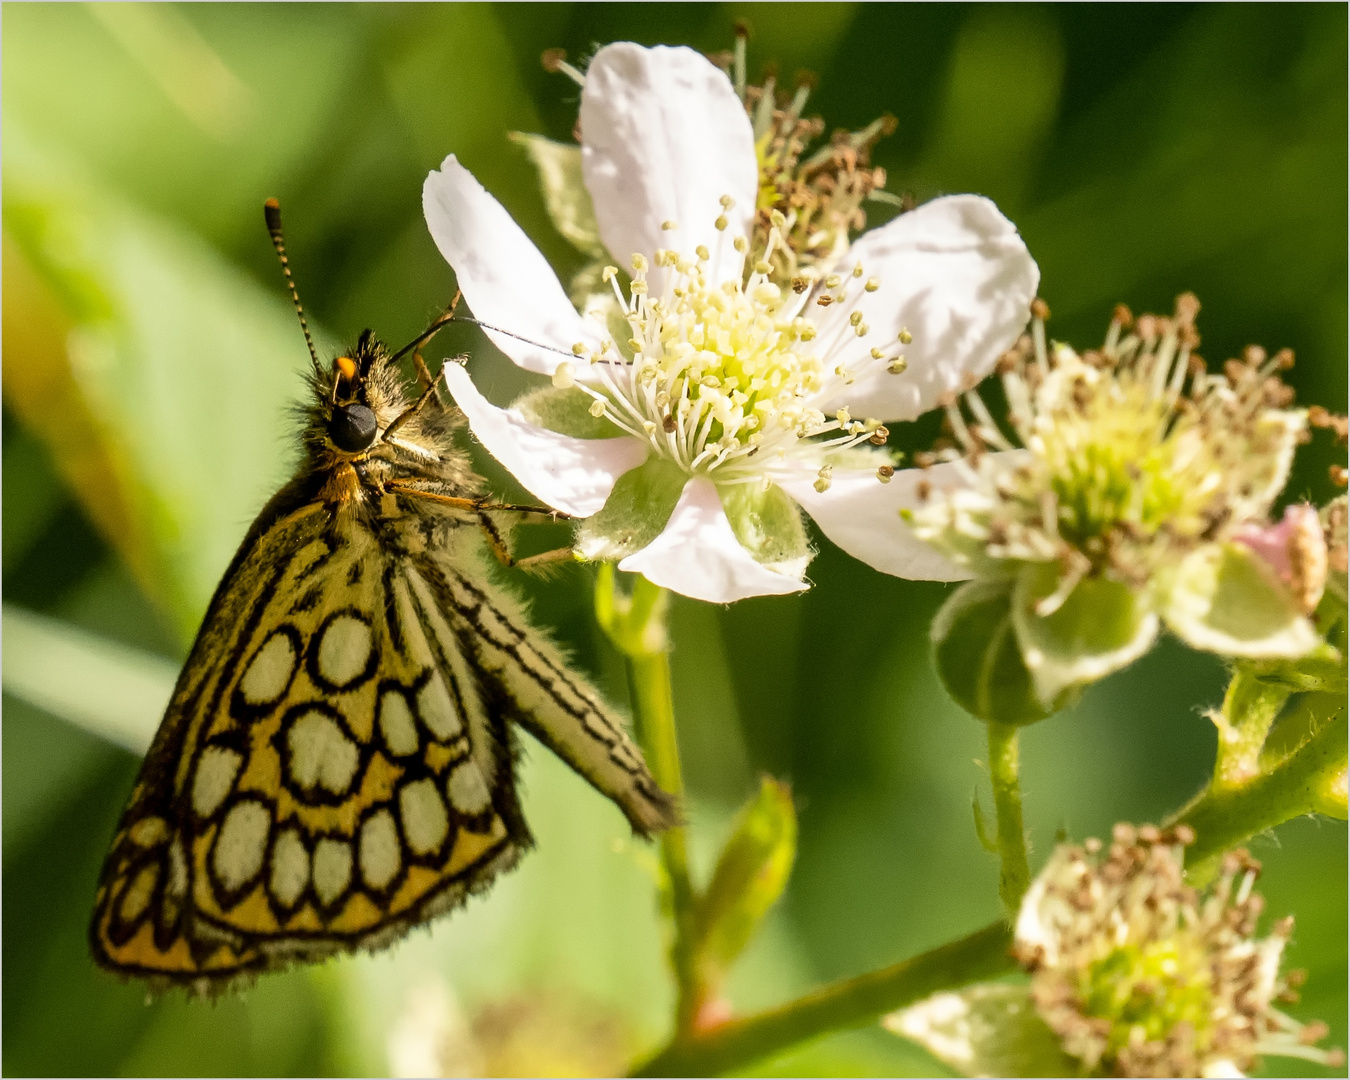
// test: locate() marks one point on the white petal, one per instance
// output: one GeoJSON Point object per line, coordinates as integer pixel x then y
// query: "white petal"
{"type": "Point", "coordinates": [862, 516]}
{"type": "Point", "coordinates": [572, 475]}
{"type": "Point", "coordinates": [698, 555]}
{"type": "Point", "coordinates": [957, 276]}
{"type": "Point", "coordinates": [504, 278]}
{"type": "Point", "coordinates": [663, 138]}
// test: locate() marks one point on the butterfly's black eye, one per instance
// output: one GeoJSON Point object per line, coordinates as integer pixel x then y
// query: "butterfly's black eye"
{"type": "Point", "coordinates": [353, 427]}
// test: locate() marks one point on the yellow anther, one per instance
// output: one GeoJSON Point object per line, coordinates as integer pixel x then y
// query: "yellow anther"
{"type": "Point", "coordinates": [873, 284]}
{"type": "Point", "coordinates": [639, 262]}
{"type": "Point", "coordinates": [858, 270]}
{"type": "Point", "coordinates": [597, 408]}
{"type": "Point", "coordinates": [740, 244]}
{"type": "Point", "coordinates": [635, 345]}
{"type": "Point", "coordinates": [842, 415]}
{"type": "Point", "coordinates": [855, 318]}
{"type": "Point", "coordinates": [877, 354]}
{"type": "Point", "coordinates": [862, 329]}
{"type": "Point", "coordinates": [897, 366]}
{"type": "Point", "coordinates": [727, 202]}
{"type": "Point", "coordinates": [563, 376]}
{"type": "Point", "coordinates": [609, 273]}
{"type": "Point", "coordinates": [778, 220]}
{"type": "Point", "coordinates": [668, 225]}
{"type": "Point", "coordinates": [906, 337]}
{"type": "Point", "coordinates": [762, 267]}
{"type": "Point", "coordinates": [579, 349]}
{"type": "Point", "coordinates": [702, 252]}
{"type": "Point", "coordinates": [884, 473]}
{"type": "Point", "coordinates": [721, 222]}
{"type": "Point", "coordinates": [833, 281]}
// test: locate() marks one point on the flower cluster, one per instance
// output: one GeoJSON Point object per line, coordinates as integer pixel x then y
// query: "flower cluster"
{"type": "Point", "coordinates": [1139, 974]}
{"type": "Point", "coordinates": [1135, 488]}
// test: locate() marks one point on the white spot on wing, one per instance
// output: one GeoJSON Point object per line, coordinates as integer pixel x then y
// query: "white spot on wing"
{"type": "Point", "coordinates": [269, 672]}
{"type": "Point", "coordinates": [425, 822]}
{"type": "Point", "coordinates": [216, 770]}
{"type": "Point", "coordinates": [437, 710]}
{"type": "Point", "coordinates": [290, 867]}
{"type": "Point", "coordinates": [344, 650]}
{"type": "Point", "coordinates": [137, 897]}
{"type": "Point", "coordinates": [396, 721]}
{"type": "Point", "coordinates": [320, 753]}
{"type": "Point", "coordinates": [242, 843]}
{"type": "Point", "coordinates": [468, 794]}
{"type": "Point", "coordinates": [379, 849]}
{"type": "Point", "coordinates": [332, 868]}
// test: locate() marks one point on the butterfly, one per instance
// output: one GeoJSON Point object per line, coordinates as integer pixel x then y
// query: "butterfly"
{"type": "Point", "coordinates": [336, 764]}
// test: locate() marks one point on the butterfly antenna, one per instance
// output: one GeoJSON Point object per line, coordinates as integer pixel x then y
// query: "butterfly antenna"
{"type": "Point", "coordinates": [272, 215]}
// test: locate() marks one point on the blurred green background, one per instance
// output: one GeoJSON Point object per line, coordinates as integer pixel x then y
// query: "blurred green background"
{"type": "Point", "coordinates": [150, 355]}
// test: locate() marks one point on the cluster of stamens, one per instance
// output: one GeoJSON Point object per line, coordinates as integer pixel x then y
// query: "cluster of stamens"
{"type": "Point", "coordinates": [1130, 455]}
{"type": "Point", "coordinates": [717, 373]}
{"type": "Point", "coordinates": [1140, 975]}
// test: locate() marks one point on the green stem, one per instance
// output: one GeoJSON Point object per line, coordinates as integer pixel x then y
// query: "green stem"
{"type": "Point", "coordinates": [636, 624]}
{"type": "Point", "coordinates": [1309, 780]}
{"type": "Point", "coordinates": [1014, 872]}
{"type": "Point", "coordinates": [1249, 708]}
{"type": "Point", "coordinates": [848, 1003]}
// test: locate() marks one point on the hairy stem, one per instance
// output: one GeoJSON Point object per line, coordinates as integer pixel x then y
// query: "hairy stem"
{"type": "Point", "coordinates": [1309, 780]}
{"type": "Point", "coordinates": [637, 626]}
{"type": "Point", "coordinates": [1249, 708]}
{"type": "Point", "coordinates": [1014, 872]}
{"type": "Point", "coordinates": [847, 1003]}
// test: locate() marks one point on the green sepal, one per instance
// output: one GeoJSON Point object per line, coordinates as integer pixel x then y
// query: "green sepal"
{"type": "Point", "coordinates": [1224, 599]}
{"type": "Point", "coordinates": [750, 876]}
{"type": "Point", "coordinates": [989, 1029]}
{"type": "Point", "coordinates": [565, 411]}
{"type": "Point", "coordinates": [768, 524]}
{"type": "Point", "coordinates": [636, 511]}
{"type": "Point", "coordinates": [1100, 627]}
{"type": "Point", "coordinates": [977, 656]}
{"type": "Point", "coordinates": [566, 199]}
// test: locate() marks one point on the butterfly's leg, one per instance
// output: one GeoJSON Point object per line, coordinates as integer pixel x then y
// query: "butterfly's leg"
{"type": "Point", "coordinates": [425, 379]}
{"type": "Point", "coordinates": [502, 551]}
{"type": "Point", "coordinates": [420, 403]}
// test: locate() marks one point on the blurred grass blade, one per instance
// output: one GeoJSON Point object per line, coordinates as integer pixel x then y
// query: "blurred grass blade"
{"type": "Point", "coordinates": [157, 374]}
{"type": "Point", "coordinates": [109, 690]}
{"type": "Point", "coordinates": [751, 873]}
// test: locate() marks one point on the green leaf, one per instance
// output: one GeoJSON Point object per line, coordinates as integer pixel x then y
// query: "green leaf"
{"type": "Point", "coordinates": [1225, 600]}
{"type": "Point", "coordinates": [977, 657]}
{"type": "Point", "coordinates": [635, 512]}
{"type": "Point", "coordinates": [768, 524]}
{"type": "Point", "coordinates": [565, 196]}
{"type": "Point", "coordinates": [110, 690]}
{"type": "Point", "coordinates": [989, 1029]}
{"type": "Point", "coordinates": [751, 873]}
{"type": "Point", "coordinates": [566, 412]}
{"type": "Point", "coordinates": [1101, 626]}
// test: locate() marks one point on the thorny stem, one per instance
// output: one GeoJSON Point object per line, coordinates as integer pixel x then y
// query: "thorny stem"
{"type": "Point", "coordinates": [1014, 873]}
{"type": "Point", "coordinates": [847, 1003]}
{"type": "Point", "coordinates": [637, 626]}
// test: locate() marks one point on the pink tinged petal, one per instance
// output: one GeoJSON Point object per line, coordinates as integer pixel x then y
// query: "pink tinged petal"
{"type": "Point", "coordinates": [958, 277]}
{"type": "Point", "coordinates": [698, 555]}
{"type": "Point", "coordinates": [573, 475]}
{"type": "Point", "coordinates": [504, 278]}
{"type": "Point", "coordinates": [862, 515]}
{"type": "Point", "coordinates": [663, 138]}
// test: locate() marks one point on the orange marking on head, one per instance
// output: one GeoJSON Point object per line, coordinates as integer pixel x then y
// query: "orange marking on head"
{"type": "Point", "coordinates": [347, 366]}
